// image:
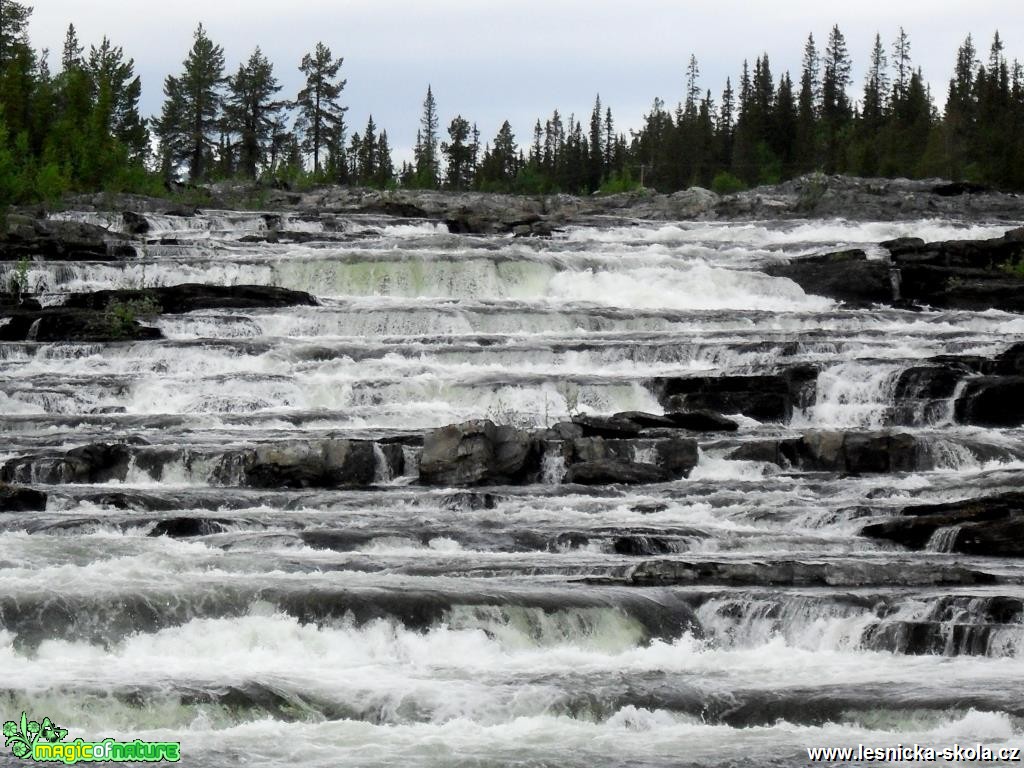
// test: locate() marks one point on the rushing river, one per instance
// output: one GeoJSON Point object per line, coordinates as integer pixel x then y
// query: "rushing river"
{"type": "Point", "coordinates": [406, 626]}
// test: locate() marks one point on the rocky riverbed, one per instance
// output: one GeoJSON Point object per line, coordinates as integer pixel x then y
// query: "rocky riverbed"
{"type": "Point", "coordinates": [383, 478]}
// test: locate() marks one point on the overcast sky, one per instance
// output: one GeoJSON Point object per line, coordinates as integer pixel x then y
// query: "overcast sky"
{"type": "Point", "coordinates": [492, 60]}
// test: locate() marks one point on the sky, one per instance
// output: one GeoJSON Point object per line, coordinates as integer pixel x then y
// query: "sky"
{"type": "Point", "coordinates": [518, 60]}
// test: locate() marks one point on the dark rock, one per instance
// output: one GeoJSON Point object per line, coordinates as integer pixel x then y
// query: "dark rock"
{"type": "Point", "coordinates": [97, 463]}
{"type": "Point", "coordinates": [765, 398]}
{"type": "Point", "coordinates": [1010, 362]}
{"type": "Point", "coordinates": [318, 464]}
{"type": "Point", "coordinates": [74, 325]}
{"type": "Point", "coordinates": [702, 421]}
{"type": "Point", "coordinates": [992, 401]}
{"type": "Point", "coordinates": [61, 241]}
{"type": "Point", "coordinates": [15, 499]}
{"type": "Point", "coordinates": [188, 527]}
{"type": "Point", "coordinates": [606, 426]}
{"type": "Point", "coordinates": [957, 188]}
{"type": "Point", "coordinates": [138, 502]}
{"type": "Point", "coordinates": [796, 573]}
{"type": "Point", "coordinates": [612, 472]}
{"type": "Point", "coordinates": [677, 456]}
{"type": "Point", "coordinates": [847, 276]}
{"type": "Point", "coordinates": [643, 420]}
{"type": "Point", "coordinates": [188, 297]}
{"type": "Point", "coordinates": [471, 502]}
{"type": "Point", "coordinates": [844, 452]}
{"type": "Point", "coordinates": [992, 525]}
{"type": "Point", "coordinates": [902, 245]}
{"type": "Point", "coordinates": [135, 223]}
{"type": "Point", "coordinates": [477, 452]}
{"type": "Point", "coordinates": [641, 546]}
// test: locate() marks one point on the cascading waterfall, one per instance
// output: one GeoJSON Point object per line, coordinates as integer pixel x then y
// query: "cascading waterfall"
{"type": "Point", "coordinates": [188, 592]}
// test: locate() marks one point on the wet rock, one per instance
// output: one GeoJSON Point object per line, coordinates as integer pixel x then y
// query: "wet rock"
{"type": "Point", "coordinates": [606, 426]}
{"type": "Point", "coordinates": [50, 325]}
{"type": "Point", "coordinates": [471, 501]}
{"type": "Point", "coordinates": [55, 240]}
{"type": "Point", "coordinates": [992, 401]}
{"type": "Point", "coordinates": [188, 527]}
{"type": "Point", "coordinates": [765, 398]}
{"type": "Point", "coordinates": [803, 574]}
{"type": "Point", "coordinates": [642, 420]}
{"type": "Point", "coordinates": [137, 502]}
{"type": "Point", "coordinates": [1010, 362]}
{"type": "Point", "coordinates": [189, 297]}
{"type": "Point", "coordinates": [844, 452]}
{"type": "Point", "coordinates": [96, 463]}
{"type": "Point", "coordinates": [847, 276]}
{"type": "Point", "coordinates": [135, 223]}
{"type": "Point", "coordinates": [16, 499]}
{"type": "Point", "coordinates": [318, 464]}
{"type": "Point", "coordinates": [677, 456]}
{"type": "Point", "coordinates": [702, 421]}
{"type": "Point", "coordinates": [641, 546]}
{"type": "Point", "coordinates": [477, 452]}
{"type": "Point", "coordinates": [957, 188]}
{"type": "Point", "coordinates": [992, 525]}
{"type": "Point", "coordinates": [613, 472]}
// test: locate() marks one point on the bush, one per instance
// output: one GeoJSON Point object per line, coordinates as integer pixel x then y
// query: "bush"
{"type": "Point", "coordinates": [619, 183]}
{"type": "Point", "coordinates": [727, 184]}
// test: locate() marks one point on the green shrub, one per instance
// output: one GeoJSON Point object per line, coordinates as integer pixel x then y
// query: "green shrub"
{"type": "Point", "coordinates": [619, 183]}
{"type": "Point", "coordinates": [727, 184]}
{"type": "Point", "coordinates": [123, 315]}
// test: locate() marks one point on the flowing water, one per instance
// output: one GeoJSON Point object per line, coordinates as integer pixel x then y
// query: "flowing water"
{"type": "Point", "coordinates": [405, 626]}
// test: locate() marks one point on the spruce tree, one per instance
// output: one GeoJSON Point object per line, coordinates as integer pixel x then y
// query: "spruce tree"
{"type": "Point", "coordinates": [836, 111]}
{"type": "Point", "coordinates": [14, 18]}
{"type": "Point", "coordinates": [458, 154]}
{"type": "Point", "coordinates": [320, 114]}
{"type": "Point", "coordinates": [385, 167]}
{"type": "Point", "coordinates": [71, 58]}
{"type": "Point", "coordinates": [251, 112]}
{"type": "Point", "coordinates": [189, 125]}
{"type": "Point", "coordinates": [428, 166]}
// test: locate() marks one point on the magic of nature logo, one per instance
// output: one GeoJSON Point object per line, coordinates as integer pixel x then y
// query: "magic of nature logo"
{"type": "Point", "coordinates": [44, 742]}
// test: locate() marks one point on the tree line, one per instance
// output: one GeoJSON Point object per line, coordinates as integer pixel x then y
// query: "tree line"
{"type": "Point", "coordinates": [80, 128]}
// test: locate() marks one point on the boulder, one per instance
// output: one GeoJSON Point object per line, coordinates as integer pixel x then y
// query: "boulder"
{"type": "Point", "coordinates": [96, 463]}
{"type": "Point", "coordinates": [992, 401]}
{"type": "Point", "coordinates": [992, 525]}
{"type": "Point", "coordinates": [188, 527]}
{"type": "Point", "coordinates": [641, 546]}
{"type": "Point", "coordinates": [843, 452]}
{"type": "Point", "coordinates": [848, 276]}
{"type": "Point", "coordinates": [770, 397]}
{"type": "Point", "coordinates": [606, 426]}
{"type": "Point", "coordinates": [175, 299]}
{"type": "Point", "coordinates": [702, 421]}
{"type": "Point", "coordinates": [477, 452]}
{"type": "Point", "coordinates": [613, 472]}
{"type": "Point", "coordinates": [49, 325]}
{"type": "Point", "coordinates": [317, 464]}
{"type": "Point", "coordinates": [16, 499]}
{"type": "Point", "coordinates": [56, 240]}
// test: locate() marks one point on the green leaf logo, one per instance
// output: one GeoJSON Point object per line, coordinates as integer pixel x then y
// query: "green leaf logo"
{"type": "Point", "coordinates": [21, 737]}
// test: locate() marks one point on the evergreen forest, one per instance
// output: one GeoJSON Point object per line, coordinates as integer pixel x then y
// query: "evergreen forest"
{"type": "Point", "coordinates": [74, 124]}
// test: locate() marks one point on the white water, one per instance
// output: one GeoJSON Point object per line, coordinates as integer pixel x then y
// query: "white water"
{"type": "Point", "coordinates": [402, 625]}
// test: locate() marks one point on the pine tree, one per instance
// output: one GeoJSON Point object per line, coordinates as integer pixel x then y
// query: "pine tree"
{"type": "Point", "coordinates": [117, 91]}
{"type": "Point", "coordinates": [808, 109]}
{"type": "Point", "coordinates": [596, 147]}
{"type": "Point", "coordinates": [71, 58]}
{"type": "Point", "coordinates": [904, 70]}
{"type": "Point", "coordinates": [385, 167]}
{"type": "Point", "coordinates": [190, 119]}
{"type": "Point", "coordinates": [320, 114]}
{"type": "Point", "coordinates": [427, 160]}
{"type": "Point", "coordinates": [836, 111]}
{"type": "Point", "coordinates": [251, 112]}
{"type": "Point", "coordinates": [14, 18]}
{"type": "Point", "coordinates": [459, 154]}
